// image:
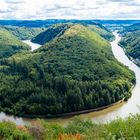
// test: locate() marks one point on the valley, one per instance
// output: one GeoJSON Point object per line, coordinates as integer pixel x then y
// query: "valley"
{"type": "Point", "coordinates": [113, 79]}
{"type": "Point", "coordinates": [63, 75]}
{"type": "Point", "coordinates": [110, 113]}
{"type": "Point", "coordinates": [70, 70]}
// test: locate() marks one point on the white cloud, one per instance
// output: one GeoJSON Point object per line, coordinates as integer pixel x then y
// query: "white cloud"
{"type": "Point", "coordinates": [69, 9]}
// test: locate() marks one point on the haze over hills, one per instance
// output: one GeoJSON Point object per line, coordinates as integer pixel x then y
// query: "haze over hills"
{"type": "Point", "coordinates": [131, 28]}
{"type": "Point", "coordinates": [48, 22]}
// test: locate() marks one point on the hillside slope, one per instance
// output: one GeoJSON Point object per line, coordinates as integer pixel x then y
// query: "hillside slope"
{"type": "Point", "coordinates": [131, 28]}
{"type": "Point", "coordinates": [23, 33]}
{"type": "Point", "coordinates": [102, 31]}
{"type": "Point", "coordinates": [50, 33]}
{"type": "Point", "coordinates": [9, 44]}
{"type": "Point", "coordinates": [131, 42]}
{"type": "Point", "coordinates": [58, 29]}
{"type": "Point", "coordinates": [75, 71]}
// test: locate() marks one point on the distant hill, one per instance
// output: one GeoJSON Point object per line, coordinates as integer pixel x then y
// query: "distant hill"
{"type": "Point", "coordinates": [72, 72]}
{"type": "Point", "coordinates": [131, 28]}
{"type": "Point", "coordinates": [51, 33]}
{"type": "Point", "coordinates": [131, 42]}
{"type": "Point", "coordinates": [102, 31]}
{"type": "Point", "coordinates": [23, 33]}
{"type": "Point", "coordinates": [26, 30]}
{"type": "Point", "coordinates": [9, 44]}
{"type": "Point", "coordinates": [57, 30]}
{"type": "Point", "coordinates": [48, 22]}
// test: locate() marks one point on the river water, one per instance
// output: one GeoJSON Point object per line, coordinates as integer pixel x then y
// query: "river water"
{"type": "Point", "coordinates": [34, 46]}
{"type": "Point", "coordinates": [121, 110]}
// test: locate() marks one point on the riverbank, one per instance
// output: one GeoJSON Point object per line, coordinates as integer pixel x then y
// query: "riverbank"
{"type": "Point", "coordinates": [74, 113]}
{"type": "Point", "coordinates": [130, 58]}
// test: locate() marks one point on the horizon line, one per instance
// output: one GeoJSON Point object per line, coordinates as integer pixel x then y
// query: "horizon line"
{"type": "Point", "coordinates": [64, 19]}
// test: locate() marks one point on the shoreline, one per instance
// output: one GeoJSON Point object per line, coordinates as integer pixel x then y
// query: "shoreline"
{"type": "Point", "coordinates": [130, 58]}
{"type": "Point", "coordinates": [71, 113]}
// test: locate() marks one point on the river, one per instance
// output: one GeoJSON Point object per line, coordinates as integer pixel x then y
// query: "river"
{"type": "Point", "coordinates": [121, 110]}
{"type": "Point", "coordinates": [34, 46]}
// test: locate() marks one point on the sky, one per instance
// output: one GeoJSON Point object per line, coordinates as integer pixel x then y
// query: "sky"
{"type": "Point", "coordinates": [69, 9]}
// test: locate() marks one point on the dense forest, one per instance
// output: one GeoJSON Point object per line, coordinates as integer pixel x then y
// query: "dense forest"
{"type": "Point", "coordinates": [10, 45]}
{"type": "Point", "coordinates": [23, 33]}
{"type": "Point", "coordinates": [75, 70]}
{"type": "Point", "coordinates": [131, 42]}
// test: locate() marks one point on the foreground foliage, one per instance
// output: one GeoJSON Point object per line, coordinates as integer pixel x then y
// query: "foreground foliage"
{"type": "Point", "coordinates": [9, 131]}
{"type": "Point", "coordinates": [128, 129]}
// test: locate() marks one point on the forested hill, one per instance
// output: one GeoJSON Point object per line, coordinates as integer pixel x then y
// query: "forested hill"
{"type": "Point", "coordinates": [102, 31]}
{"type": "Point", "coordinates": [9, 44]}
{"type": "Point", "coordinates": [23, 33]}
{"type": "Point", "coordinates": [131, 28]}
{"type": "Point", "coordinates": [27, 33]}
{"type": "Point", "coordinates": [58, 29]}
{"type": "Point", "coordinates": [51, 33]}
{"type": "Point", "coordinates": [131, 42]}
{"type": "Point", "coordinates": [73, 71]}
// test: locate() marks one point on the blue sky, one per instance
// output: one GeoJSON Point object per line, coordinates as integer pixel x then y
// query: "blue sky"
{"type": "Point", "coordinates": [69, 9]}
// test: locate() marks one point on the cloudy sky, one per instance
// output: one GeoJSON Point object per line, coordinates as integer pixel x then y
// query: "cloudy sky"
{"type": "Point", "coordinates": [69, 9]}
